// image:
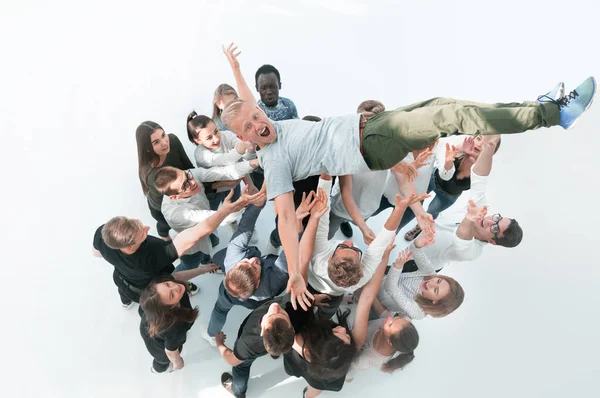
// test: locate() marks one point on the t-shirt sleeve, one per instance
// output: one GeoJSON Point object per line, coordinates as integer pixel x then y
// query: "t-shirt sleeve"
{"type": "Point", "coordinates": [244, 349]}
{"type": "Point", "coordinates": [163, 255]}
{"type": "Point", "coordinates": [98, 242]}
{"type": "Point", "coordinates": [183, 157]}
{"type": "Point", "coordinates": [278, 175]}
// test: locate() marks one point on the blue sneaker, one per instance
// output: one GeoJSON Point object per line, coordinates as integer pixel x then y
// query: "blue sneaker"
{"type": "Point", "coordinates": [576, 102]}
{"type": "Point", "coordinates": [554, 94]}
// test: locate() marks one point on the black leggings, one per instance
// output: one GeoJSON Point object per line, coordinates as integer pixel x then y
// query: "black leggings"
{"type": "Point", "coordinates": [161, 360]}
{"type": "Point", "coordinates": [161, 224]}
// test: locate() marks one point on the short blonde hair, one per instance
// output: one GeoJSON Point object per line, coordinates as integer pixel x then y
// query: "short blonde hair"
{"type": "Point", "coordinates": [119, 232]}
{"type": "Point", "coordinates": [231, 111]}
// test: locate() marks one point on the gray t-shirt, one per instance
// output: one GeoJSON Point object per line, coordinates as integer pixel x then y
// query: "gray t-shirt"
{"type": "Point", "coordinates": [305, 149]}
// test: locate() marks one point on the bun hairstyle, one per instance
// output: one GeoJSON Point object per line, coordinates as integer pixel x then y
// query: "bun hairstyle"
{"type": "Point", "coordinates": [195, 122]}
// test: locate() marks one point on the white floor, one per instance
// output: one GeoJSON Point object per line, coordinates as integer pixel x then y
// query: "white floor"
{"type": "Point", "coordinates": [78, 78]}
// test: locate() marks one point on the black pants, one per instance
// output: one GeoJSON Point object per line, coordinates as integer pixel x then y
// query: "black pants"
{"type": "Point", "coordinates": [127, 292]}
{"type": "Point", "coordinates": [334, 304]}
{"type": "Point", "coordinates": [161, 224]}
{"type": "Point", "coordinates": [161, 360]}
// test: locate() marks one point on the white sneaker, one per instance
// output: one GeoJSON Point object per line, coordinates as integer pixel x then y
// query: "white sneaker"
{"type": "Point", "coordinates": [169, 369]}
{"type": "Point", "coordinates": [204, 334]}
{"type": "Point", "coordinates": [127, 306]}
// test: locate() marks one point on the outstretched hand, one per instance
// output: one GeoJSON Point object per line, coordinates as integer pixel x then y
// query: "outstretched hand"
{"type": "Point", "coordinates": [474, 213]}
{"type": "Point", "coordinates": [299, 293]}
{"type": "Point", "coordinates": [425, 239]}
{"type": "Point", "coordinates": [320, 206]}
{"type": "Point", "coordinates": [409, 200]}
{"type": "Point", "coordinates": [402, 258]}
{"type": "Point", "coordinates": [257, 199]}
{"type": "Point", "coordinates": [407, 169]}
{"type": "Point", "coordinates": [451, 152]}
{"type": "Point", "coordinates": [421, 159]}
{"type": "Point", "coordinates": [232, 52]}
{"type": "Point", "coordinates": [426, 223]}
{"type": "Point", "coordinates": [308, 201]}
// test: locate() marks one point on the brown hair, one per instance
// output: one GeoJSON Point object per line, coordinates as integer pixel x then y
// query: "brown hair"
{"type": "Point", "coordinates": [370, 108]}
{"type": "Point", "coordinates": [119, 232]}
{"type": "Point", "coordinates": [512, 236]}
{"type": "Point", "coordinates": [164, 178]}
{"type": "Point", "coordinates": [196, 122]}
{"type": "Point", "coordinates": [240, 282]}
{"type": "Point", "coordinates": [445, 305]}
{"type": "Point", "coordinates": [221, 91]}
{"type": "Point", "coordinates": [160, 316]}
{"type": "Point", "coordinates": [279, 338]}
{"type": "Point", "coordinates": [344, 272]}
{"type": "Point", "coordinates": [147, 158]}
{"type": "Point", "coordinates": [405, 342]}
{"type": "Point", "coordinates": [231, 111]}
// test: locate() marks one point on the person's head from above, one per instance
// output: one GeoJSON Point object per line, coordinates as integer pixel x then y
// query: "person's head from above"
{"type": "Point", "coordinates": [311, 118]}
{"type": "Point", "coordinates": [402, 336]}
{"type": "Point", "coordinates": [160, 303]}
{"type": "Point", "coordinates": [370, 108]}
{"type": "Point", "coordinates": [126, 234]}
{"type": "Point", "coordinates": [249, 122]}
{"type": "Point", "coordinates": [328, 347]}
{"type": "Point", "coordinates": [268, 84]}
{"type": "Point", "coordinates": [176, 183]}
{"type": "Point", "coordinates": [243, 279]}
{"type": "Point", "coordinates": [203, 131]}
{"type": "Point", "coordinates": [276, 330]}
{"type": "Point", "coordinates": [472, 146]}
{"type": "Point", "coordinates": [439, 295]}
{"type": "Point", "coordinates": [224, 94]}
{"type": "Point", "coordinates": [498, 230]}
{"type": "Point", "coordinates": [344, 266]}
{"type": "Point", "coordinates": [152, 144]}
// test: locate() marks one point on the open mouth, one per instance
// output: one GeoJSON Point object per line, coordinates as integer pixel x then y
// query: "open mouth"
{"type": "Point", "coordinates": [264, 132]}
{"type": "Point", "coordinates": [482, 221]}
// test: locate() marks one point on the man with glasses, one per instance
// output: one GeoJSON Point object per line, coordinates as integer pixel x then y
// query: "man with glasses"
{"type": "Point", "coordinates": [185, 203]}
{"type": "Point", "coordinates": [339, 267]}
{"type": "Point", "coordinates": [477, 229]}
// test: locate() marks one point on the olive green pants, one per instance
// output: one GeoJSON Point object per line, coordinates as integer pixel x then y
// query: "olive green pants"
{"type": "Point", "coordinates": [389, 136]}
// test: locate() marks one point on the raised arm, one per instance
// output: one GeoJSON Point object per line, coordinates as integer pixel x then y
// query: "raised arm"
{"type": "Point", "coordinates": [225, 351]}
{"type": "Point", "coordinates": [483, 165]}
{"type": "Point", "coordinates": [424, 219]}
{"type": "Point", "coordinates": [367, 296]}
{"type": "Point", "coordinates": [232, 52]}
{"type": "Point", "coordinates": [238, 244]}
{"type": "Point", "coordinates": [307, 243]}
{"type": "Point", "coordinates": [220, 173]}
{"type": "Point", "coordinates": [353, 210]}
{"type": "Point", "coordinates": [466, 229]}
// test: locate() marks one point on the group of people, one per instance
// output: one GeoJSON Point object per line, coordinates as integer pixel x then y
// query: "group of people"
{"type": "Point", "coordinates": [323, 175]}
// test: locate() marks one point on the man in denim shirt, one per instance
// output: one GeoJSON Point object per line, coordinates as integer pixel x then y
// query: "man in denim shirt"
{"type": "Point", "coordinates": [250, 279]}
{"type": "Point", "coordinates": [268, 84]}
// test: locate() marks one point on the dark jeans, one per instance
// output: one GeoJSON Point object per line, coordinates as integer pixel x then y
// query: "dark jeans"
{"type": "Point", "coordinates": [192, 261]}
{"type": "Point", "coordinates": [127, 292]}
{"type": "Point", "coordinates": [162, 227]}
{"type": "Point", "coordinates": [223, 305]}
{"type": "Point", "coordinates": [334, 304]}
{"type": "Point", "coordinates": [216, 198]}
{"type": "Point", "coordinates": [161, 360]}
{"type": "Point", "coordinates": [442, 199]}
{"type": "Point", "coordinates": [241, 375]}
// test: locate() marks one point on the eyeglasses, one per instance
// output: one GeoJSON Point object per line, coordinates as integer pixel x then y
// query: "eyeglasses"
{"type": "Point", "coordinates": [345, 246]}
{"type": "Point", "coordinates": [495, 228]}
{"type": "Point", "coordinates": [187, 185]}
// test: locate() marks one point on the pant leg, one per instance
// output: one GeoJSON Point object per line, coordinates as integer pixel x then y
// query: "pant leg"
{"type": "Point", "coordinates": [219, 258]}
{"type": "Point", "coordinates": [162, 227]}
{"type": "Point", "coordinates": [160, 361]}
{"type": "Point", "coordinates": [334, 224]}
{"type": "Point", "coordinates": [219, 313]}
{"type": "Point", "coordinates": [192, 261]}
{"type": "Point", "coordinates": [274, 238]}
{"type": "Point", "coordinates": [384, 204]}
{"type": "Point", "coordinates": [389, 136]}
{"type": "Point", "coordinates": [441, 202]}
{"type": "Point", "coordinates": [258, 177]}
{"type": "Point", "coordinates": [241, 375]}
{"type": "Point", "coordinates": [408, 216]}
{"type": "Point", "coordinates": [126, 294]}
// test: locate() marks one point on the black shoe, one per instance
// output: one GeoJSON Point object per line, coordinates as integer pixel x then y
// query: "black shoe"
{"type": "Point", "coordinates": [193, 289]}
{"type": "Point", "coordinates": [346, 229]}
{"type": "Point", "coordinates": [214, 240]}
{"type": "Point", "coordinates": [274, 239]}
{"type": "Point", "coordinates": [227, 382]}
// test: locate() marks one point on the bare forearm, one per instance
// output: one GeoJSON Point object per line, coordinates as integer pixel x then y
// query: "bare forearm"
{"type": "Point", "coordinates": [188, 274]}
{"type": "Point", "coordinates": [289, 240]}
{"type": "Point", "coordinates": [307, 246]}
{"type": "Point", "coordinates": [406, 189]}
{"type": "Point", "coordinates": [189, 237]}
{"type": "Point", "coordinates": [174, 356]}
{"type": "Point", "coordinates": [243, 89]}
{"type": "Point", "coordinates": [228, 355]}
{"type": "Point", "coordinates": [378, 307]}
{"type": "Point", "coordinates": [465, 230]}
{"type": "Point", "coordinates": [483, 165]}
{"type": "Point", "coordinates": [393, 221]}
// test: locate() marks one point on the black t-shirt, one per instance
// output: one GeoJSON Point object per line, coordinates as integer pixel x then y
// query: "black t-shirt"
{"type": "Point", "coordinates": [454, 186]}
{"type": "Point", "coordinates": [249, 343]}
{"type": "Point", "coordinates": [296, 365]}
{"type": "Point", "coordinates": [175, 336]}
{"type": "Point", "coordinates": [153, 258]}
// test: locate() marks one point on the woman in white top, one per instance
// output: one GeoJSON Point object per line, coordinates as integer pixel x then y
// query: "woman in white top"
{"type": "Point", "coordinates": [223, 95]}
{"type": "Point", "coordinates": [217, 148]}
{"type": "Point", "coordinates": [420, 293]}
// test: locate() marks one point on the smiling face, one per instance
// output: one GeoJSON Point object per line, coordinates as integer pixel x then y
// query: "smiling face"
{"type": "Point", "coordinates": [170, 293]}
{"type": "Point", "coordinates": [434, 289]}
{"type": "Point", "coordinates": [185, 185]}
{"type": "Point", "coordinates": [251, 124]}
{"type": "Point", "coordinates": [160, 142]}
{"type": "Point", "coordinates": [209, 136]}
{"type": "Point", "coordinates": [483, 230]}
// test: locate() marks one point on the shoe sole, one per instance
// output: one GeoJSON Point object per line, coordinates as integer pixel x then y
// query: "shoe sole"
{"type": "Point", "coordinates": [586, 108]}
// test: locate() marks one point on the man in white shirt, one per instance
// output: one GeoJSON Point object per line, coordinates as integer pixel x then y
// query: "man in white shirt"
{"type": "Point", "coordinates": [339, 266]}
{"type": "Point", "coordinates": [185, 203]}
{"type": "Point", "coordinates": [465, 241]}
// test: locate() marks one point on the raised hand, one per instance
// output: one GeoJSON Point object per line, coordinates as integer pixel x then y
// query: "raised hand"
{"type": "Point", "coordinates": [299, 293]}
{"type": "Point", "coordinates": [468, 145]}
{"type": "Point", "coordinates": [220, 338]}
{"type": "Point", "coordinates": [232, 52]}
{"type": "Point", "coordinates": [232, 207]}
{"type": "Point", "coordinates": [424, 240]}
{"type": "Point", "coordinates": [409, 200]}
{"type": "Point", "coordinates": [258, 199]}
{"type": "Point", "coordinates": [319, 300]}
{"type": "Point", "coordinates": [320, 206]}
{"type": "Point", "coordinates": [308, 201]}
{"type": "Point", "coordinates": [242, 146]}
{"type": "Point", "coordinates": [386, 253]}
{"type": "Point", "coordinates": [421, 159]}
{"type": "Point", "coordinates": [368, 234]}
{"type": "Point", "coordinates": [451, 152]}
{"type": "Point", "coordinates": [402, 258]}
{"type": "Point", "coordinates": [407, 169]}
{"type": "Point", "coordinates": [426, 223]}
{"type": "Point", "coordinates": [474, 213]}
{"type": "Point", "coordinates": [210, 268]}
{"type": "Point", "coordinates": [490, 141]}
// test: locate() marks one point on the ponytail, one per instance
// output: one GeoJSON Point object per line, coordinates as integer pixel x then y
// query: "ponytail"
{"type": "Point", "coordinates": [398, 362]}
{"type": "Point", "coordinates": [405, 342]}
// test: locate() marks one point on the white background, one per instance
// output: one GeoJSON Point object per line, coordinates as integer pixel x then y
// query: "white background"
{"type": "Point", "coordinates": [78, 77]}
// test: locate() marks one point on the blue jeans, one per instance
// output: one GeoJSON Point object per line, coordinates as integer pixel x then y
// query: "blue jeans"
{"type": "Point", "coordinates": [222, 307]}
{"type": "Point", "coordinates": [241, 375]}
{"type": "Point", "coordinates": [442, 199]}
{"type": "Point", "coordinates": [192, 261]}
